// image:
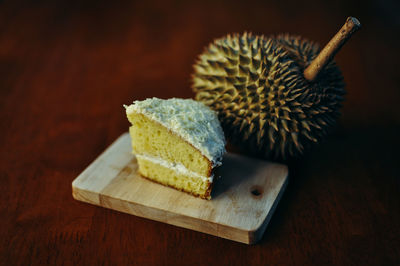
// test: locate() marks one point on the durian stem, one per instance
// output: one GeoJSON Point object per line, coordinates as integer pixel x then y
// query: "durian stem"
{"type": "Point", "coordinates": [328, 52]}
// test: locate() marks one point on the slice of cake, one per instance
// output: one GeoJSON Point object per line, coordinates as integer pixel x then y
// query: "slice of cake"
{"type": "Point", "coordinates": [177, 142]}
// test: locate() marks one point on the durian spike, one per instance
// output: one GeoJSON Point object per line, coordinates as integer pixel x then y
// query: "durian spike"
{"type": "Point", "coordinates": [328, 52]}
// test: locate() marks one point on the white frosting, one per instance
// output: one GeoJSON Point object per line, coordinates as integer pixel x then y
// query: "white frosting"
{"type": "Point", "coordinates": [192, 120]}
{"type": "Point", "coordinates": [177, 167]}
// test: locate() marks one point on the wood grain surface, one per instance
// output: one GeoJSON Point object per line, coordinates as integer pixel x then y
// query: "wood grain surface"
{"type": "Point", "coordinates": [244, 197]}
{"type": "Point", "coordinates": [66, 68]}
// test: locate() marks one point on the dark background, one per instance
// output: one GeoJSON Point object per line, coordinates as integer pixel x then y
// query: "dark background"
{"type": "Point", "coordinates": [66, 68]}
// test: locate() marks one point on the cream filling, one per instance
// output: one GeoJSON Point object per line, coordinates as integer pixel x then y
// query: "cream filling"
{"type": "Point", "coordinates": [177, 167]}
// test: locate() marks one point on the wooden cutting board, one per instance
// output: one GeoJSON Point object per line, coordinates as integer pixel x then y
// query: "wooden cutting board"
{"type": "Point", "coordinates": [243, 199]}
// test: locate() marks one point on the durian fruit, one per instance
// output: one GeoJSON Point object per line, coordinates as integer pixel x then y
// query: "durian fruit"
{"type": "Point", "coordinates": [275, 96]}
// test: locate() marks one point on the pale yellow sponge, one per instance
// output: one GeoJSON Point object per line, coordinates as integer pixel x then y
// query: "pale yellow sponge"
{"type": "Point", "coordinates": [177, 142]}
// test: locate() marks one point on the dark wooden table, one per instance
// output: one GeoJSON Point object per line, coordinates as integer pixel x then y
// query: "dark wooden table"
{"type": "Point", "coordinates": [66, 69]}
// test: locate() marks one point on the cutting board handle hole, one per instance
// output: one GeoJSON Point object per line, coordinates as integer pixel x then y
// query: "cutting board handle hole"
{"type": "Point", "coordinates": [256, 191]}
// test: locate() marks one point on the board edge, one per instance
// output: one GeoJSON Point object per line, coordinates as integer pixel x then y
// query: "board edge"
{"type": "Point", "coordinates": [256, 234]}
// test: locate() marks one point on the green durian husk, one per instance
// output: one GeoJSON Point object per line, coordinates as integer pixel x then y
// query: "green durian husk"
{"type": "Point", "coordinates": [264, 103]}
